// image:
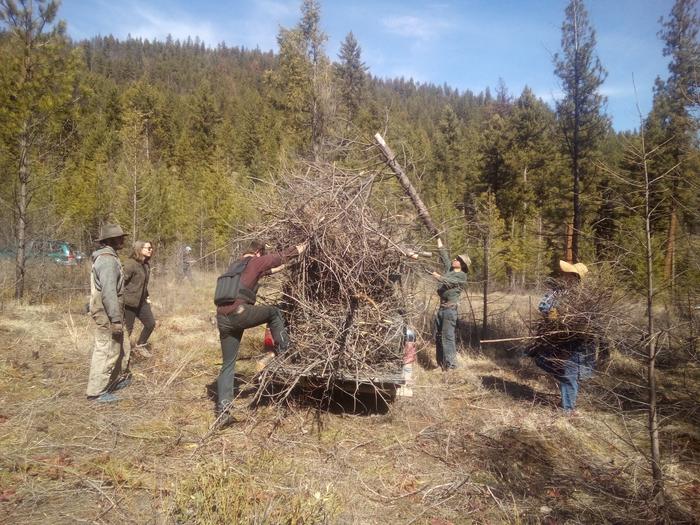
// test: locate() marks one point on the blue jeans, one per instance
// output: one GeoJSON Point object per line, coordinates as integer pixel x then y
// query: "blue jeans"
{"type": "Point", "coordinates": [231, 329]}
{"type": "Point", "coordinates": [569, 370]}
{"type": "Point", "coordinates": [445, 345]}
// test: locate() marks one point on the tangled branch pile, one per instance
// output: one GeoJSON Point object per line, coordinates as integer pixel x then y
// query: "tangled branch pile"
{"type": "Point", "coordinates": [595, 310]}
{"type": "Point", "coordinates": [345, 301]}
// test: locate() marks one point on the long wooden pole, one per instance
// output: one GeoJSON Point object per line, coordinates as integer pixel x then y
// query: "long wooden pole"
{"type": "Point", "coordinates": [407, 186]}
{"type": "Point", "coordinates": [509, 339]}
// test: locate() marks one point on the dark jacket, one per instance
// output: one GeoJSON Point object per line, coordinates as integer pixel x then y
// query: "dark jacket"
{"type": "Point", "coordinates": [136, 276]}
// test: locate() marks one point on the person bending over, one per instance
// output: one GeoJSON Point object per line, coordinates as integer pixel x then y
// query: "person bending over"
{"type": "Point", "coordinates": [236, 311]}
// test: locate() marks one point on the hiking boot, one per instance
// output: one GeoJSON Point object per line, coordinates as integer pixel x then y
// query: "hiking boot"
{"type": "Point", "coordinates": [142, 350]}
{"type": "Point", "coordinates": [106, 397]}
{"type": "Point", "coordinates": [264, 361]}
{"type": "Point", "coordinates": [223, 420]}
{"type": "Point", "coordinates": [122, 383]}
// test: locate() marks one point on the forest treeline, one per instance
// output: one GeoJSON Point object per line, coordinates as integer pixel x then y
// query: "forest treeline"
{"type": "Point", "coordinates": [168, 138]}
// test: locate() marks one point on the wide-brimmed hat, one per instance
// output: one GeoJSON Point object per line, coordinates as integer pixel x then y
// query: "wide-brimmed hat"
{"type": "Point", "coordinates": [579, 269]}
{"type": "Point", "coordinates": [465, 260]}
{"type": "Point", "coordinates": [109, 231]}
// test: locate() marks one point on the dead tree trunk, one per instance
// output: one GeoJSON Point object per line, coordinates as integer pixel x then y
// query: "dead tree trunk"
{"type": "Point", "coordinates": [653, 425]}
{"type": "Point", "coordinates": [407, 186]}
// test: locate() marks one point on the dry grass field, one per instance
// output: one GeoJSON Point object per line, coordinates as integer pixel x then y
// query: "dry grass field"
{"type": "Point", "coordinates": [483, 444]}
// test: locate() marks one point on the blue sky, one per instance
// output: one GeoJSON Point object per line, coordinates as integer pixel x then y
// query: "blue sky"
{"type": "Point", "coordinates": [466, 44]}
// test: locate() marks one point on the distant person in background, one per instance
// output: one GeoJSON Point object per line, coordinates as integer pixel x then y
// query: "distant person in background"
{"type": "Point", "coordinates": [566, 354]}
{"type": "Point", "coordinates": [137, 272]}
{"type": "Point", "coordinates": [109, 368]}
{"type": "Point", "coordinates": [187, 262]}
{"type": "Point", "coordinates": [451, 284]}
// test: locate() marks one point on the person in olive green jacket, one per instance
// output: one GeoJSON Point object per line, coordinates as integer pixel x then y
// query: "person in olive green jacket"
{"type": "Point", "coordinates": [137, 271]}
{"type": "Point", "coordinates": [451, 284]}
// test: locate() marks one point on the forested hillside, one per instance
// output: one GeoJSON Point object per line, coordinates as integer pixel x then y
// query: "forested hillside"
{"type": "Point", "coordinates": [167, 138]}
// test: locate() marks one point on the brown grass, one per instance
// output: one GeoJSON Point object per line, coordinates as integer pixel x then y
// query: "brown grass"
{"type": "Point", "coordinates": [483, 444]}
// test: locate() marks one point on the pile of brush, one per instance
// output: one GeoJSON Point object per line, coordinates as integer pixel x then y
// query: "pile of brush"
{"type": "Point", "coordinates": [592, 311]}
{"type": "Point", "coordinates": [346, 300]}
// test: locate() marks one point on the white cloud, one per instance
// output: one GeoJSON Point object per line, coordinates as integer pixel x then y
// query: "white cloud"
{"type": "Point", "coordinates": [152, 25]}
{"type": "Point", "coordinates": [278, 10]}
{"type": "Point", "coordinates": [415, 27]}
{"type": "Point", "coordinates": [617, 91]}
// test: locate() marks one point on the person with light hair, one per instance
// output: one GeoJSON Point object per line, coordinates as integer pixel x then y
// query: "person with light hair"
{"type": "Point", "coordinates": [186, 262]}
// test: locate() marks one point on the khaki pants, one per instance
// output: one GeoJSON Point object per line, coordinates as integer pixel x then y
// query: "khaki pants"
{"type": "Point", "coordinates": [110, 356]}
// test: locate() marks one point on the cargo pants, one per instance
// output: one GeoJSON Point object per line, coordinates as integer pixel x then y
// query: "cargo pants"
{"type": "Point", "coordinates": [110, 354]}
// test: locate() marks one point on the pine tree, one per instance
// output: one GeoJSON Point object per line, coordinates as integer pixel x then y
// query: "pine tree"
{"type": "Point", "coordinates": [489, 228]}
{"type": "Point", "coordinates": [580, 110]}
{"type": "Point", "coordinates": [37, 81]}
{"type": "Point", "coordinates": [315, 39]}
{"type": "Point", "coordinates": [302, 82]}
{"type": "Point", "coordinates": [351, 73]}
{"type": "Point", "coordinates": [679, 95]}
{"type": "Point", "coordinates": [449, 148]}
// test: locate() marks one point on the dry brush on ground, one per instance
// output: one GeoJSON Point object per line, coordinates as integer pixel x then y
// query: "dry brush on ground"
{"type": "Point", "coordinates": [481, 445]}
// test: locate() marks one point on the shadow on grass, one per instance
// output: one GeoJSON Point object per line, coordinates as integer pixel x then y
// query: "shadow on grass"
{"type": "Point", "coordinates": [515, 390]}
{"type": "Point", "coordinates": [550, 477]}
{"type": "Point", "coordinates": [342, 399]}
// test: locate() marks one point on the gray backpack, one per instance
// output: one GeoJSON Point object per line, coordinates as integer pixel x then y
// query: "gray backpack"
{"type": "Point", "coordinates": [228, 285]}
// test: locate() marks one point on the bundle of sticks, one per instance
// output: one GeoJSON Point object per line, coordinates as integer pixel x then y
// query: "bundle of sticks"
{"type": "Point", "coordinates": [593, 310]}
{"type": "Point", "coordinates": [347, 299]}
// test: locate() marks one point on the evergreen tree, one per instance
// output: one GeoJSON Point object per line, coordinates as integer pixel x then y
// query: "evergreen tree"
{"type": "Point", "coordinates": [351, 73]}
{"type": "Point", "coordinates": [303, 80]}
{"type": "Point", "coordinates": [315, 39]}
{"type": "Point", "coordinates": [290, 89]}
{"type": "Point", "coordinates": [580, 110]}
{"type": "Point", "coordinates": [679, 96]}
{"type": "Point", "coordinates": [449, 149]}
{"type": "Point", "coordinates": [37, 81]}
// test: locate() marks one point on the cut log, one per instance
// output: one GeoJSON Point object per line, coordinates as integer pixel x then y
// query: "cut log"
{"type": "Point", "coordinates": [407, 186]}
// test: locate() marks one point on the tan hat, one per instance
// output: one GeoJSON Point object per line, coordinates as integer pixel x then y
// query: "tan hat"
{"type": "Point", "coordinates": [579, 269]}
{"type": "Point", "coordinates": [109, 231]}
{"type": "Point", "coordinates": [465, 260]}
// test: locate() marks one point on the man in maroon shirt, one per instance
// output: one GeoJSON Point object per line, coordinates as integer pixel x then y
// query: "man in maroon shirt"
{"type": "Point", "coordinates": [234, 317]}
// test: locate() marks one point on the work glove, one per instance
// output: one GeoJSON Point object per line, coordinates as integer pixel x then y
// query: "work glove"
{"type": "Point", "coordinates": [116, 329]}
